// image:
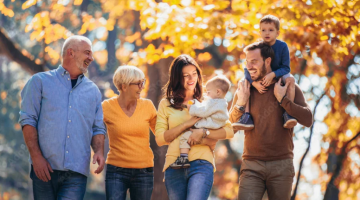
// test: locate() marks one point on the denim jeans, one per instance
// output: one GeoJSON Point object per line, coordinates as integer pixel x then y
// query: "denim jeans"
{"type": "Point", "coordinates": [63, 185]}
{"type": "Point", "coordinates": [118, 180]}
{"type": "Point", "coordinates": [191, 183]}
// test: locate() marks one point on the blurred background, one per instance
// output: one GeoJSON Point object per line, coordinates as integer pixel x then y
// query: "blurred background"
{"type": "Point", "coordinates": [323, 38]}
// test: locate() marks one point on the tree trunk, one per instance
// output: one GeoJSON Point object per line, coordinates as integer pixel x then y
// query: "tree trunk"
{"type": "Point", "coordinates": [158, 75]}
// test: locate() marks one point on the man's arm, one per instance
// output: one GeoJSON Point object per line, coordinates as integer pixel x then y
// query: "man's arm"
{"type": "Point", "coordinates": [98, 139]}
{"type": "Point", "coordinates": [235, 114]}
{"type": "Point", "coordinates": [298, 109]}
{"type": "Point", "coordinates": [29, 114]}
{"type": "Point", "coordinates": [41, 166]}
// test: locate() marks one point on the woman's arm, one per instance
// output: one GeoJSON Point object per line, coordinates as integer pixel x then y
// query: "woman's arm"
{"type": "Point", "coordinates": [164, 135]}
{"type": "Point", "coordinates": [225, 132]}
{"type": "Point", "coordinates": [173, 133]}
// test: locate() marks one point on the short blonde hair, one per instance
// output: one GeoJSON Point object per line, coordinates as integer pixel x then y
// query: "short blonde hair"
{"type": "Point", "coordinates": [220, 82]}
{"type": "Point", "coordinates": [127, 74]}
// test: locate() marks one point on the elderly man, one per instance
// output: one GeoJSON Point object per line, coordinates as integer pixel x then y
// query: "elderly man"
{"type": "Point", "coordinates": [268, 148]}
{"type": "Point", "coordinates": [61, 117]}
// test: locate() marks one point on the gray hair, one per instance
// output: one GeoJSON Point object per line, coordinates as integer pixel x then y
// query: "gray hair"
{"type": "Point", "coordinates": [72, 43]}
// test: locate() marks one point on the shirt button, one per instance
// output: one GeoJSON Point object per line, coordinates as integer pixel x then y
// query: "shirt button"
{"type": "Point", "coordinates": [71, 91]}
{"type": "Point", "coordinates": [68, 136]}
{"type": "Point", "coordinates": [69, 106]}
{"type": "Point", "coordinates": [68, 79]}
{"type": "Point", "coordinates": [67, 152]}
{"type": "Point", "coordinates": [69, 120]}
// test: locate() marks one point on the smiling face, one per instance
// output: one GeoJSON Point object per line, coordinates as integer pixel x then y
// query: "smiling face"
{"type": "Point", "coordinates": [134, 89]}
{"type": "Point", "coordinates": [83, 56]}
{"type": "Point", "coordinates": [256, 64]}
{"type": "Point", "coordinates": [269, 32]}
{"type": "Point", "coordinates": [190, 77]}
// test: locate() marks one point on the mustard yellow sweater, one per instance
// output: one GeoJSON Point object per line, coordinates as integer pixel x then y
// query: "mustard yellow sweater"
{"type": "Point", "coordinates": [129, 136]}
{"type": "Point", "coordinates": [169, 118]}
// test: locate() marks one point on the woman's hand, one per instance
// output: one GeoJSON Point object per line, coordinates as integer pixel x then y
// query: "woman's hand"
{"type": "Point", "coordinates": [191, 122]}
{"type": "Point", "coordinates": [195, 137]}
{"type": "Point", "coordinates": [210, 142]}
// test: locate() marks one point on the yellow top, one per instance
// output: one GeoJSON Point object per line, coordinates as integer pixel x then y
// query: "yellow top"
{"type": "Point", "coordinates": [129, 136]}
{"type": "Point", "coordinates": [169, 118]}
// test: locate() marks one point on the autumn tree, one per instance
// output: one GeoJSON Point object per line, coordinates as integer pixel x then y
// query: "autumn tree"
{"type": "Point", "coordinates": [322, 36]}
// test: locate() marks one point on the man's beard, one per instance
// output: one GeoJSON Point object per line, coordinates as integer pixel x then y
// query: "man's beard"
{"type": "Point", "coordinates": [80, 66]}
{"type": "Point", "coordinates": [262, 73]}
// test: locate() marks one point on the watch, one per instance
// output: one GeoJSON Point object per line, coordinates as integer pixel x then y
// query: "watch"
{"type": "Point", "coordinates": [241, 108]}
{"type": "Point", "coordinates": [206, 132]}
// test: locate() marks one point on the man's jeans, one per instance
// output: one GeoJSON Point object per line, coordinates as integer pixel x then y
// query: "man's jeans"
{"type": "Point", "coordinates": [274, 176]}
{"type": "Point", "coordinates": [63, 185]}
{"type": "Point", "coordinates": [118, 180]}
{"type": "Point", "coordinates": [191, 183]}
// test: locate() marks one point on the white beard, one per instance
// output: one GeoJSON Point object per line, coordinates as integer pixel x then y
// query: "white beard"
{"type": "Point", "coordinates": [80, 66]}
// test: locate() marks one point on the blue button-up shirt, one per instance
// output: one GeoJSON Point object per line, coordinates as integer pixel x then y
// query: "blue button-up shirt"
{"type": "Point", "coordinates": [66, 118]}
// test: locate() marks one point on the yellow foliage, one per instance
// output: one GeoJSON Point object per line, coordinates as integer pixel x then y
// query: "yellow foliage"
{"type": "Point", "coordinates": [27, 4]}
{"type": "Point", "coordinates": [5, 11]}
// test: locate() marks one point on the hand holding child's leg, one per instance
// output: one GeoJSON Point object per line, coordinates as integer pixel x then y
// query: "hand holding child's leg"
{"type": "Point", "coordinates": [289, 121]}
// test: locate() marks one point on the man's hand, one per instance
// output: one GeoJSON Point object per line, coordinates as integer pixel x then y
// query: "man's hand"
{"type": "Point", "coordinates": [280, 91]}
{"type": "Point", "coordinates": [195, 137]}
{"type": "Point", "coordinates": [243, 93]}
{"type": "Point", "coordinates": [99, 158]}
{"type": "Point", "coordinates": [266, 81]}
{"type": "Point", "coordinates": [262, 89]}
{"type": "Point", "coordinates": [42, 168]}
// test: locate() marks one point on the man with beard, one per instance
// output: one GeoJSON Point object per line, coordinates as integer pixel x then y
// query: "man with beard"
{"type": "Point", "coordinates": [268, 148]}
{"type": "Point", "coordinates": [61, 117]}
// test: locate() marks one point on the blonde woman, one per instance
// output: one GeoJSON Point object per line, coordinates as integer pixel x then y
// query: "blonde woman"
{"type": "Point", "coordinates": [128, 119]}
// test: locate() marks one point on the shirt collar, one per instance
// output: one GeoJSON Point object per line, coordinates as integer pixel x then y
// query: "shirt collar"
{"type": "Point", "coordinates": [63, 72]}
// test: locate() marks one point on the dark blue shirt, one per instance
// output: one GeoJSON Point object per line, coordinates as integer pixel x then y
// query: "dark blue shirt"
{"type": "Point", "coordinates": [280, 65]}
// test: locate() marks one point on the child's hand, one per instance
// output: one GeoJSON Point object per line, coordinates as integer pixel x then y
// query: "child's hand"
{"type": "Point", "coordinates": [262, 89]}
{"type": "Point", "coordinates": [266, 81]}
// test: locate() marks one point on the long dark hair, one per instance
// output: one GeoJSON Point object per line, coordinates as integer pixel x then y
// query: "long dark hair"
{"type": "Point", "coordinates": [174, 89]}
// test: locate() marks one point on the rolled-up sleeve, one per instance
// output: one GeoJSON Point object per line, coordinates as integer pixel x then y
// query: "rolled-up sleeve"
{"type": "Point", "coordinates": [99, 125]}
{"type": "Point", "coordinates": [162, 123]}
{"type": "Point", "coordinates": [31, 102]}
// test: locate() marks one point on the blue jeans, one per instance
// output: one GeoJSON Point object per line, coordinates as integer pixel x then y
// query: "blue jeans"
{"type": "Point", "coordinates": [191, 183]}
{"type": "Point", "coordinates": [118, 180]}
{"type": "Point", "coordinates": [63, 185]}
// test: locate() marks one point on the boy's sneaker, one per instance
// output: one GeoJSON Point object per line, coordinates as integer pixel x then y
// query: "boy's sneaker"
{"type": "Point", "coordinates": [245, 123]}
{"type": "Point", "coordinates": [181, 162]}
{"type": "Point", "coordinates": [289, 121]}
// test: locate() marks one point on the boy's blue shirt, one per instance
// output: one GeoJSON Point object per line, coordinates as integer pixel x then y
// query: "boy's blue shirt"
{"type": "Point", "coordinates": [280, 65]}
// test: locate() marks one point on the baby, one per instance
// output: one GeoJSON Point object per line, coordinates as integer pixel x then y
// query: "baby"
{"type": "Point", "coordinates": [214, 114]}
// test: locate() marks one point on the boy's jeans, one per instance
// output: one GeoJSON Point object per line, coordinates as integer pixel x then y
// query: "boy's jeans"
{"type": "Point", "coordinates": [118, 180]}
{"type": "Point", "coordinates": [191, 183]}
{"type": "Point", "coordinates": [274, 176]}
{"type": "Point", "coordinates": [63, 185]}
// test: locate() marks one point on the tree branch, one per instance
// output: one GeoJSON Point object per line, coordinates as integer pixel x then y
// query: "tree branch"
{"type": "Point", "coordinates": [331, 189]}
{"type": "Point", "coordinates": [308, 147]}
{"type": "Point", "coordinates": [8, 48]}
